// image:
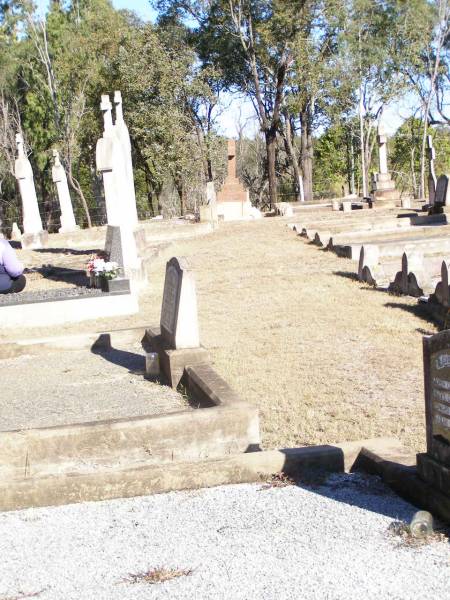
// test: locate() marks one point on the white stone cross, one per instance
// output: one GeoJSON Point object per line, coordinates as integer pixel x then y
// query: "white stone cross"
{"type": "Point", "coordinates": [60, 179]}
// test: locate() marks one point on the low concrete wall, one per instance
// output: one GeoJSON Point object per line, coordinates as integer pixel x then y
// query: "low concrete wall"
{"type": "Point", "coordinates": [123, 481]}
{"type": "Point", "coordinates": [70, 310]}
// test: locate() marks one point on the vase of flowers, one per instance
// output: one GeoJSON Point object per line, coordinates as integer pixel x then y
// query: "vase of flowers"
{"type": "Point", "coordinates": [101, 271]}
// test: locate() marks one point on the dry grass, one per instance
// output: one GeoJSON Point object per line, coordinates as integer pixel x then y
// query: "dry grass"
{"type": "Point", "coordinates": [278, 480]}
{"type": "Point", "coordinates": [158, 575]}
{"type": "Point", "coordinates": [324, 357]}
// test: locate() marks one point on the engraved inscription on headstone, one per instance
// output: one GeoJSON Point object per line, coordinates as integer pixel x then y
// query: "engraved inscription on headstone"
{"type": "Point", "coordinates": [179, 320]}
{"type": "Point", "coordinates": [440, 394]}
{"type": "Point", "coordinates": [169, 308]}
{"type": "Point", "coordinates": [434, 466]}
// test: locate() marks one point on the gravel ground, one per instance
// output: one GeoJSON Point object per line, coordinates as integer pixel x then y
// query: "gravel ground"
{"type": "Point", "coordinates": [240, 541]}
{"type": "Point", "coordinates": [78, 386]}
{"type": "Point", "coordinates": [48, 294]}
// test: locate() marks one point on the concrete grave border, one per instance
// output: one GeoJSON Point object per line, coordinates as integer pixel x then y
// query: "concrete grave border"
{"type": "Point", "coordinates": [68, 310]}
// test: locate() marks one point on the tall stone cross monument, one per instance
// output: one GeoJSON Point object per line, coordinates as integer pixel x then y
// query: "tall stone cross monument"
{"type": "Point", "coordinates": [34, 235]}
{"type": "Point", "coordinates": [124, 139]}
{"type": "Point", "coordinates": [60, 179]}
{"type": "Point", "coordinates": [384, 192]}
{"type": "Point", "coordinates": [107, 160]}
{"type": "Point", "coordinates": [111, 163]}
{"type": "Point", "coordinates": [233, 201]}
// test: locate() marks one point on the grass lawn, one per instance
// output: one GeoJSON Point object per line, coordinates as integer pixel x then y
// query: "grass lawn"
{"type": "Point", "coordinates": [324, 357]}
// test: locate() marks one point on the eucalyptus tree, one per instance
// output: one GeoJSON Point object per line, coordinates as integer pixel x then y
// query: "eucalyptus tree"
{"type": "Point", "coordinates": [251, 43]}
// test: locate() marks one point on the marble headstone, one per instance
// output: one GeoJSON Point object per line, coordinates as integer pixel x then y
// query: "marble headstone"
{"type": "Point", "coordinates": [179, 319]}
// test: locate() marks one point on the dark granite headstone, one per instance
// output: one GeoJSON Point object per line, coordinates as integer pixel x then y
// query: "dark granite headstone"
{"type": "Point", "coordinates": [441, 195]}
{"type": "Point", "coordinates": [434, 466]}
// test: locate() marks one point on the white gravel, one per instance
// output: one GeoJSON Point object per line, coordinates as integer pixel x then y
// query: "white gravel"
{"type": "Point", "coordinates": [242, 542]}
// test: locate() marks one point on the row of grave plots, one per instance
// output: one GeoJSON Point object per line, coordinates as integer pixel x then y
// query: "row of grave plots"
{"type": "Point", "coordinates": [402, 251]}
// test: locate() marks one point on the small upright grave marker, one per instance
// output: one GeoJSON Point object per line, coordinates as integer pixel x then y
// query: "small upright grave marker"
{"type": "Point", "coordinates": [176, 341]}
{"type": "Point", "coordinates": [442, 197]}
{"type": "Point", "coordinates": [179, 320]}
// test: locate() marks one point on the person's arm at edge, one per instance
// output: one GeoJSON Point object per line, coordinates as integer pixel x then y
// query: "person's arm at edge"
{"type": "Point", "coordinates": [13, 267]}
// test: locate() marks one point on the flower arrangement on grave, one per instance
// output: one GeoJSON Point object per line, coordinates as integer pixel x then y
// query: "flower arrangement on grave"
{"type": "Point", "coordinates": [99, 266]}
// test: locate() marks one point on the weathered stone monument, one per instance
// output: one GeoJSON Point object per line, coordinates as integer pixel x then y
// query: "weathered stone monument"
{"type": "Point", "coordinates": [432, 174]}
{"type": "Point", "coordinates": [60, 179]}
{"type": "Point", "coordinates": [124, 139]}
{"type": "Point", "coordinates": [177, 340]}
{"type": "Point", "coordinates": [34, 235]}
{"type": "Point", "coordinates": [111, 163]}
{"type": "Point", "coordinates": [208, 212]}
{"type": "Point", "coordinates": [384, 192]}
{"type": "Point", "coordinates": [233, 201]}
{"type": "Point", "coordinates": [434, 465]}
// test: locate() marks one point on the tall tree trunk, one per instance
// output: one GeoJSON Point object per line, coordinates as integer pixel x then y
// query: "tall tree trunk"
{"type": "Point", "coordinates": [306, 153]}
{"type": "Point", "coordinates": [363, 145]}
{"type": "Point", "coordinates": [292, 154]}
{"type": "Point", "coordinates": [75, 185]}
{"type": "Point", "coordinates": [271, 145]}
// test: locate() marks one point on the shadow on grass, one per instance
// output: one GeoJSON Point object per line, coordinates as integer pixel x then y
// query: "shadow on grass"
{"type": "Point", "coordinates": [73, 251]}
{"type": "Point", "coordinates": [347, 275]}
{"type": "Point", "coordinates": [418, 310]}
{"type": "Point", "coordinates": [76, 277]}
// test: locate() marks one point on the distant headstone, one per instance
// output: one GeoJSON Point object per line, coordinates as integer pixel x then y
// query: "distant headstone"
{"type": "Point", "coordinates": [442, 197]}
{"type": "Point", "coordinates": [60, 179]}
{"type": "Point", "coordinates": [33, 234]}
{"type": "Point", "coordinates": [383, 187]}
{"type": "Point", "coordinates": [179, 319]}
{"type": "Point", "coordinates": [233, 201]}
{"type": "Point", "coordinates": [434, 466]}
{"type": "Point", "coordinates": [441, 294]}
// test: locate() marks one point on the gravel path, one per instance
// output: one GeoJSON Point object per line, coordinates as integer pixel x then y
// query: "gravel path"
{"type": "Point", "coordinates": [78, 386]}
{"type": "Point", "coordinates": [240, 541]}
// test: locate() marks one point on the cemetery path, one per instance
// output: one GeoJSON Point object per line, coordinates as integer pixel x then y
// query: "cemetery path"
{"type": "Point", "coordinates": [325, 357]}
{"type": "Point", "coordinates": [234, 542]}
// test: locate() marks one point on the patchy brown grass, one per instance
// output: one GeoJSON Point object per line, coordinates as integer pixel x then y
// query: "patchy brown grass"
{"type": "Point", "coordinates": [277, 480]}
{"type": "Point", "coordinates": [324, 357]}
{"type": "Point", "coordinates": [158, 575]}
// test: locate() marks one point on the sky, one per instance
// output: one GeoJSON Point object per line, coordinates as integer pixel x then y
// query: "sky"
{"type": "Point", "coordinates": [236, 111]}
